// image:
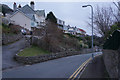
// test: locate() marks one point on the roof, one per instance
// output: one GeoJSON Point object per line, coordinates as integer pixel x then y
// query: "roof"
{"type": "Point", "coordinates": [30, 16]}
{"type": "Point", "coordinates": [82, 30]}
{"type": "Point", "coordinates": [40, 12]}
{"type": "Point", "coordinates": [27, 9]}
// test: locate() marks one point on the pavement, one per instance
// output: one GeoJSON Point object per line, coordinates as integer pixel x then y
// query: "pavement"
{"type": "Point", "coordinates": [8, 52]}
{"type": "Point", "coordinates": [57, 68]}
{"type": "Point", "coordinates": [95, 69]}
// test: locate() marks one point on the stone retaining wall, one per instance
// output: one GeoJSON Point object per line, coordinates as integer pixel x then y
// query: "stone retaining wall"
{"type": "Point", "coordinates": [46, 57]}
{"type": "Point", "coordinates": [6, 39]}
{"type": "Point", "coordinates": [111, 62]}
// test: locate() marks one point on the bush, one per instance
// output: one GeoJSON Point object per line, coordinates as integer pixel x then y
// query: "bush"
{"type": "Point", "coordinates": [8, 29]}
{"type": "Point", "coordinates": [15, 29]}
{"type": "Point", "coordinates": [5, 28]}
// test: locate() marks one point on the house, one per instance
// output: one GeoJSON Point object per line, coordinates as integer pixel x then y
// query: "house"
{"type": "Point", "coordinates": [40, 17]}
{"type": "Point", "coordinates": [65, 28]}
{"type": "Point", "coordinates": [27, 17]}
{"type": "Point", "coordinates": [82, 31]}
{"type": "Point", "coordinates": [24, 20]}
{"type": "Point", "coordinates": [73, 30]}
{"type": "Point", "coordinates": [60, 23]}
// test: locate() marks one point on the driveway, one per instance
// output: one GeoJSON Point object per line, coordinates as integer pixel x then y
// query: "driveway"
{"type": "Point", "coordinates": [8, 52]}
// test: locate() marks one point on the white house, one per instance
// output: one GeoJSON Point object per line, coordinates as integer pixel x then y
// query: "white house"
{"type": "Point", "coordinates": [72, 30]}
{"type": "Point", "coordinates": [26, 21]}
{"type": "Point", "coordinates": [60, 23]}
{"type": "Point", "coordinates": [40, 17]}
{"type": "Point", "coordinates": [27, 17]}
{"type": "Point", "coordinates": [65, 28]}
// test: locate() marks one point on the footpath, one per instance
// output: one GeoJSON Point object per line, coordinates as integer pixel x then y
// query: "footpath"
{"type": "Point", "coordinates": [95, 69]}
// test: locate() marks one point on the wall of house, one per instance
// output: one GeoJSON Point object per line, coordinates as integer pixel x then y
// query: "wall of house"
{"type": "Point", "coordinates": [22, 20]}
{"type": "Point", "coordinates": [40, 19]}
{"type": "Point", "coordinates": [61, 22]}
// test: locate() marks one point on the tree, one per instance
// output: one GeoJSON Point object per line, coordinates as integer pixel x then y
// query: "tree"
{"type": "Point", "coordinates": [5, 9]}
{"type": "Point", "coordinates": [117, 15]}
{"type": "Point", "coordinates": [52, 37]}
{"type": "Point", "coordinates": [103, 19]}
{"type": "Point", "coordinates": [51, 17]}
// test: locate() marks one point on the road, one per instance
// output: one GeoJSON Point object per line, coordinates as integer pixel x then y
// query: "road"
{"type": "Point", "coordinates": [57, 68]}
{"type": "Point", "coordinates": [8, 51]}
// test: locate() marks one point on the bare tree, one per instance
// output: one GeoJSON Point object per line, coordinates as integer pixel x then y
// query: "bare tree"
{"type": "Point", "coordinates": [103, 19]}
{"type": "Point", "coordinates": [117, 15]}
{"type": "Point", "coordinates": [52, 37]}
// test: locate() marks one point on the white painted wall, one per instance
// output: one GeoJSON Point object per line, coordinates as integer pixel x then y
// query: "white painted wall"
{"type": "Point", "coordinates": [40, 19]}
{"type": "Point", "coordinates": [20, 19]}
{"type": "Point", "coordinates": [61, 22]}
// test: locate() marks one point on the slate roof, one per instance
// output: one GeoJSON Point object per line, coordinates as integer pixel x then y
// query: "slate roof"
{"type": "Point", "coordinates": [27, 9]}
{"type": "Point", "coordinates": [29, 12]}
{"type": "Point", "coordinates": [40, 12]}
{"type": "Point", "coordinates": [30, 16]}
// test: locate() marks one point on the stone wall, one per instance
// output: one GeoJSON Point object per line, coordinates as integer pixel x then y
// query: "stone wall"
{"type": "Point", "coordinates": [46, 57]}
{"type": "Point", "coordinates": [111, 62]}
{"type": "Point", "coordinates": [6, 39]}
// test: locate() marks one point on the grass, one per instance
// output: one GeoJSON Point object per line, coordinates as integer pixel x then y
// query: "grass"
{"type": "Point", "coordinates": [32, 51]}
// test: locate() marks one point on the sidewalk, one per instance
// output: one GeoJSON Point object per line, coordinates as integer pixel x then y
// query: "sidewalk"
{"type": "Point", "coordinates": [96, 69]}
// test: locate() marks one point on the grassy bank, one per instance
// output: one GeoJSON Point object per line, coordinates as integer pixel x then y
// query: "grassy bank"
{"type": "Point", "coordinates": [32, 51]}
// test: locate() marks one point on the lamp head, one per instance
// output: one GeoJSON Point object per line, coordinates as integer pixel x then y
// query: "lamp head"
{"type": "Point", "coordinates": [84, 6]}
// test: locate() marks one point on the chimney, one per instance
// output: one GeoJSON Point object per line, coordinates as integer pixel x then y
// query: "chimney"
{"type": "Point", "coordinates": [32, 4]}
{"type": "Point", "coordinates": [14, 6]}
{"type": "Point", "coordinates": [19, 6]}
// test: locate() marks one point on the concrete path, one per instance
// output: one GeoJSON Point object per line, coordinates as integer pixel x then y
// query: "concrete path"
{"type": "Point", "coordinates": [8, 51]}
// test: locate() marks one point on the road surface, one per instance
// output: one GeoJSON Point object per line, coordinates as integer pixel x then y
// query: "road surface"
{"type": "Point", "coordinates": [57, 68]}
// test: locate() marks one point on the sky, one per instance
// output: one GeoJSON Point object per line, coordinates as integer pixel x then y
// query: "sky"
{"type": "Point", "coordinates": [71, 12]}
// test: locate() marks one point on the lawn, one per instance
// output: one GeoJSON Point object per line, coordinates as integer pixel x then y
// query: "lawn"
{"type": "Point", "coordinates": [33, 51]}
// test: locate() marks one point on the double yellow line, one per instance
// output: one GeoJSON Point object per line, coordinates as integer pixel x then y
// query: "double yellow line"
{"type": "Point", "coordinates": [75, 74]}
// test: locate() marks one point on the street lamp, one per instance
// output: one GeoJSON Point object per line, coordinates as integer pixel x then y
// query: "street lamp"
{"type": "Point", "coordinates": [91, 20]}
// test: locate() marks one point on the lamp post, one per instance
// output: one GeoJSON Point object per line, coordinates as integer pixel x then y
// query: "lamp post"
{"type": "Point", "coordinates": [92, 22]}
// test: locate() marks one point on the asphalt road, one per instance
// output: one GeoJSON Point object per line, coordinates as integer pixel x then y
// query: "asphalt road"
{"type": "Point", "coordinates": [8, 51]}
{"type": "Point", "coordinates": [57, 68]}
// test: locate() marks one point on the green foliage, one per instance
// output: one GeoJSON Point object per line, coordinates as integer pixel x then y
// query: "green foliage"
{"type": "Point", "coordinates": [113, 28]}
{"type": "Point", "coordinates": [86, 46]}
{"type": "Point", "coordinates": [5, 9]}
{"type": "Point", "coordinates": [51, 17]}
{"type": "Point", "coordinates": [113, 42]}
{"type": "Point", "coordinates": [10, 29]}
{"type": "Point", "coordinates": [73, 36]}
{"type": "Point", "coordinates": [5, 28]}
{"type": "Point", "coordinates": [33, 51]}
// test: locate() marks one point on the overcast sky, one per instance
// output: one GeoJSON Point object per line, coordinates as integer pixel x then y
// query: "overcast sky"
{"type": "Point", "coordinates": [71, 12]}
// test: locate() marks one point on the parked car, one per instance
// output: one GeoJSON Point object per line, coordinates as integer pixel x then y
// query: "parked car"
{"type": "Point", "coordinates": [23, 31]}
